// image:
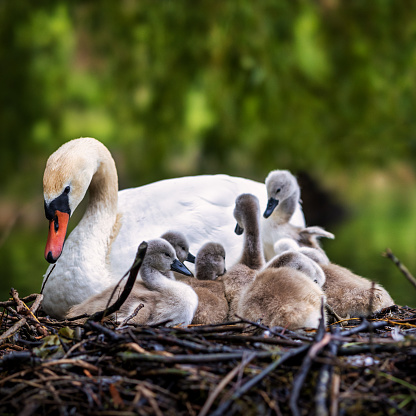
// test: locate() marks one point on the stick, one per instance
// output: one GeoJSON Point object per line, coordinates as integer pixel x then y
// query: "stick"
{"type": "Point", "coordinates": [224, 382]}
{"type": "Point", "coordinates": [135, 312]}
{"type": "Point", "coordinates": [261, 326]}
{"type": "Point", "coordinates": [251, 383]}
{"type": "Point", "coordinates": [389, 254]}
{"type": "Point", "coordinates": [298, 381]}
{"type": "Point", "coordinates": [324, 380]}
{"type": "Point", "coordinates": [23, 320]}
{"type": "Point", "coordinates": [134, 269]}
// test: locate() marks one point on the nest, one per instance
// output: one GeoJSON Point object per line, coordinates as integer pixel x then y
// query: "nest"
{"type": "Point", "coordinates": [353, 367]}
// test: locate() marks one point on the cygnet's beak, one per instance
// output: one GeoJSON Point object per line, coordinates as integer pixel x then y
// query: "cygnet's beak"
{"type": "Point", "coordinates": [238, 229]}
{"type": "Point", "coordinates": [179, 267]}
{"type": "Point", "coordinates": [190, 258]}
{"type": "Point", "coordinates": [272, 203]}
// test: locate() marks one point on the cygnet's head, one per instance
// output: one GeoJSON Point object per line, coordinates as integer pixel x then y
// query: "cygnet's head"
{"type": "Point", "coordinates": [247, 208]}
{"type": "Point", "coordinates": [161, 256]}
{"type": "Point", "coordinates": [317, 255]}
{"type": "Point", "coordinates": [210, 261]}
{"type": "Point", "coordinates": [280, 185]}
{"type": "Point", "coordinates": [285, 244]}
{"type": "Point", "coordinates": [298, 261]}
{"type": "Point", "coordinates": [180, 245]}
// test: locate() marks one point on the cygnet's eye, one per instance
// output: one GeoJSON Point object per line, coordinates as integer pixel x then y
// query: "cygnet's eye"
{"type": "Point", "coordinates": [183, 248]}
{"type": "Point", "coordinates": [278, 190]}
{"type": "Point", "coordinates": [167, 254]}
{"type": "Point", "coordinates": [67, 189]}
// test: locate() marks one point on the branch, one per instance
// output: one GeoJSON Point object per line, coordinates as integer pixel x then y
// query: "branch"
{"type": "Point", "coordinates": [134, 270]}
{"type": "Point", "coordinates": [389, 254]}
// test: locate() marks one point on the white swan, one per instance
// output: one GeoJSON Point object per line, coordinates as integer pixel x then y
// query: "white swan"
{"type": "Point", "coordinates": [103, 245]}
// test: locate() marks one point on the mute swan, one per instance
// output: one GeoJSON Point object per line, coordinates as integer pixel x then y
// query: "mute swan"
{"type": "Point", "coordinates": [102, 246]}
{"type": "Point", "coordinates": [283, 194]}
{"type": "Point", "coordinates": [212, 304]}
{"type": "Point", "coordinates": [247, 215]}
{"type": "Point", "coordinates": [163, 298]}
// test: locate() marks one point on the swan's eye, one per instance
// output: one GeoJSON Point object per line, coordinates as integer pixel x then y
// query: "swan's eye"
{"type": "Point", "coordinates": [67, 189]}
{"type": "Point", "coordinates": [167, 254]}
{"type": "Point", "coordinates": [278, 190]}
{"type": "Point", "coordinates": [183, 248]}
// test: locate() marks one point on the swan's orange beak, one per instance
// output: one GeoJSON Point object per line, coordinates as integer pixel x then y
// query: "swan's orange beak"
{"type": "Point", "coordinates": [56, 236]}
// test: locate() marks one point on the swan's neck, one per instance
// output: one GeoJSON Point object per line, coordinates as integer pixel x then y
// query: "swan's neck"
{"type": "Point", "coordinates": [253, 250]}
{"type": "Point", "coordinates": [155, 280]}
{"type": "Point", "coordinates": [92, 236]}
{"type": "Point", "coordinates": [103, 191]}
{"type": "Point", "coordinates": [287, 207]}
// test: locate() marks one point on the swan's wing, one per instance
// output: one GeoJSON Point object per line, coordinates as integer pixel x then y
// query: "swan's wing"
{"type": "Point", "coordinates": [199, 206]}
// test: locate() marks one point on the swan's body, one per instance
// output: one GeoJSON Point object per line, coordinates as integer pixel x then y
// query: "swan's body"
{"type": "Point", "coordinates": [163, 298]}
{"type": "Point", "coordinates": [283, 195]}
{"type": "Point", "coordinates": [103, 245]}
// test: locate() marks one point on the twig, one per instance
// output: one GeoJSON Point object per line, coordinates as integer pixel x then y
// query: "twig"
{"type": "Point", "coordinates": [251, 383]}
{"type": "Point", "coordinates": [261, 326]}
{"type": "Point", "coordinates": [131, 316]}
{"type": "Point", "coordinates": [324, 379]}
{"type": "Point", "coordinates": [246, 360]}
{"type": "Point", "coordinates": [336, 381]}
{"type": "Point", "coordinates": [106, 331]}
{"type": "Point", "coordinates": [320, 342]}
{"type": "Point", "coordinates": [134, 269]}
{"type": "Point", "coordinates": [389, 254]}
{"type": "Point", "coordinates": [23, 320]}
{"type": "Point", "coordinates": [245, 339]}
{"type": "Point", "coordinates": [26, 299]}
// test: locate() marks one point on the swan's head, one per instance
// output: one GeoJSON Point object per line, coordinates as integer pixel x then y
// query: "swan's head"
{"type": "Point", "coordinates": [299, 261]}
{"type": "Point", "coordinates": [315, 254]}
{"type": "Point", "coordinates": [67, 175]}
{"type": "Point", "coordinates": [246, 208]}
{"type": "Point", "coordinates": [180, 244]}
{"type": "Point", "coordinates": [280, 185]}
{"type": "Point", "coordinates": [161, 256]}
{"type": "Point", "coordinates": [210, 261]}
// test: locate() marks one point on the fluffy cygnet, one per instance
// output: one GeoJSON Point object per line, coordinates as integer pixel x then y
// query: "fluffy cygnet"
{"type": "Point", "coordinates": [163, 298]}
{"type": "Point", "coordinates": [180, 244]}
{"type": "Point", "coordinates": [347, 293]}
{"type": "Point", "coordinates": [209, 264]}
{"type": "Point", "coordinates": [296, 260]}
{"type": "Point", "coordinates": [285, 293]}
{"type": "Point", "coordinates": [247, 215]}
{"type": "Point", "coordinates": [283, 194]}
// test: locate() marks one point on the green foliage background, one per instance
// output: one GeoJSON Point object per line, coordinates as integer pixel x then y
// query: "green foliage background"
{"type": "Point", "coordinates": [178, 88]}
